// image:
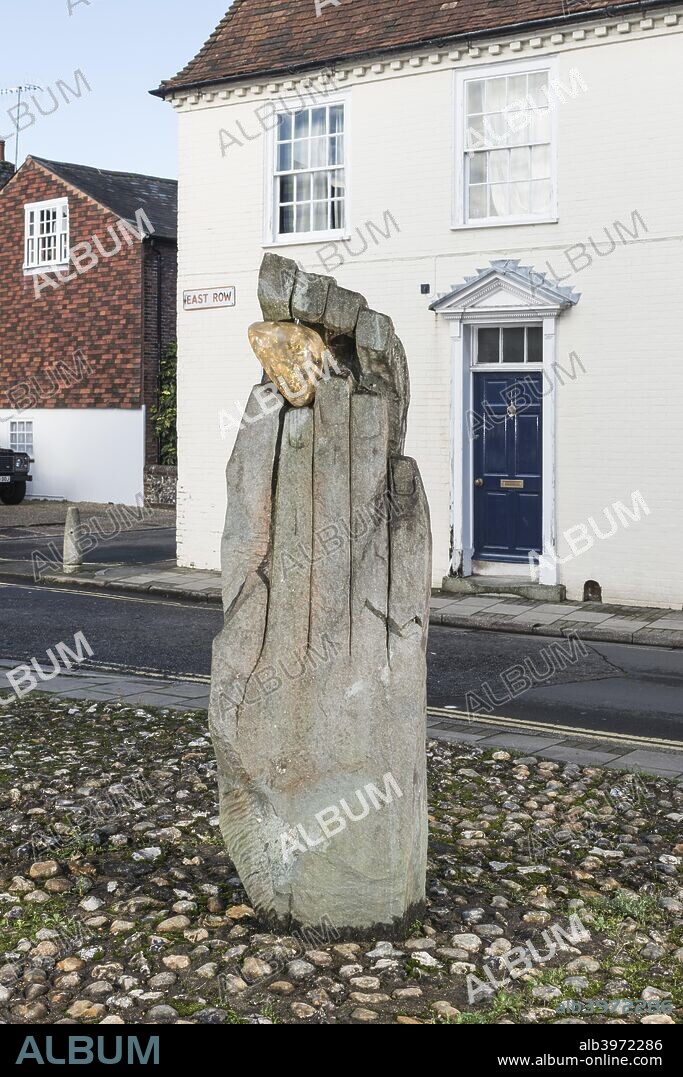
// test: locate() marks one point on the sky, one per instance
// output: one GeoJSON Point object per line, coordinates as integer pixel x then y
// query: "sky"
{"type": "Point", "coordinates": [123, 49]}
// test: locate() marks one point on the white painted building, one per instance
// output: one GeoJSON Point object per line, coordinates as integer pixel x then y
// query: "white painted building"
{"type": "Point", "coordinates": [73, 452]}
{"type": "Point", "coordinates": [87, 310]}
{"type": "Point", "coordinates": [450, 175]}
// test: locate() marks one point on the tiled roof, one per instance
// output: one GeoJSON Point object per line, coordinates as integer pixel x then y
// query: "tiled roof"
{"type": "Point", "coordinates": [124, 193]}
{"type": "Point", "coordinates": [261, 37]}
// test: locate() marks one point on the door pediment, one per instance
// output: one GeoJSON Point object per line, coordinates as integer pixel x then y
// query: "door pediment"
{"type": "Point", "coordinates": [498, 295]}
{"type": "Point", "coordinates": [505, 288]}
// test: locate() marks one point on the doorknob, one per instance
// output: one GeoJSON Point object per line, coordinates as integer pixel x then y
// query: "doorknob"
{"type": "Point", "coordinates": [478, 482]}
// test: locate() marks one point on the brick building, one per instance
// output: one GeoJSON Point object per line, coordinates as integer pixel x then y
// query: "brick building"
{"type": "Point", "coordinates": [6, 168]}
{"type": "Point", "coordinates": [88, 289]}
{"type": "Point", "coordinates": [494, 177]}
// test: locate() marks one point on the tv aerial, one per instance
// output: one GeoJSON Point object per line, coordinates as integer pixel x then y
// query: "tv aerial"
{"type": "Point", "coordinates": [18, 90]}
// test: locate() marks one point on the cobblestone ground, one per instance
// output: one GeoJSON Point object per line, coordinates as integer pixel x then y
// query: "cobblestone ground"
{"type": "Point", "coordinates": [547, 883]}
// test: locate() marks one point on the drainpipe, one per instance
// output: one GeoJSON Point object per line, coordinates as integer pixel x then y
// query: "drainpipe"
{"type": "Point", "coordinates": [158, 261]}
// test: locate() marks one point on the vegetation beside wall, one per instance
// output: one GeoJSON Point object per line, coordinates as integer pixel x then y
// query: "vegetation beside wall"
{"type": "Point", "coordinates": [165, 414]}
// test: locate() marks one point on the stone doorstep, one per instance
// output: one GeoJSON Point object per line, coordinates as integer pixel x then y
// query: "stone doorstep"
{"type": "Point", "coordinates": [508, 585]}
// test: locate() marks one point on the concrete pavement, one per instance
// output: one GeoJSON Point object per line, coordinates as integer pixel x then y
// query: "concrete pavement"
{"type": "Point", "coordinates": [132, 551]}
{"type": "Point", "coordinates": [648, 626]}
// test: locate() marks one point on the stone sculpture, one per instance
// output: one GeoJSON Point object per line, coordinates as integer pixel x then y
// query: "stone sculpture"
{"type": "Point", "coordinates": [318, 681]}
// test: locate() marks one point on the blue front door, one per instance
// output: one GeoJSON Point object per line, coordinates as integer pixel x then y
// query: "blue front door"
{"type": "Point", "coordinates": [507, 458]}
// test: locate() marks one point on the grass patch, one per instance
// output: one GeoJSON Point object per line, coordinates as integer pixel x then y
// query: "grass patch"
{"type": "Point", "coordinates": [608, 914]}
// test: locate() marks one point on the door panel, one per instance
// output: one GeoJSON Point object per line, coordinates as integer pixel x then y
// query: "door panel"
{"type": "Point", "coordinates": [507, 449]}
{"type": "Point", "coordinates": [528, 444]}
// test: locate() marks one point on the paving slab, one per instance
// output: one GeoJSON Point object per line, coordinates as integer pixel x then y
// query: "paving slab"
{"type": "Point", "coordinates": [454, 735]}
{"type": "Point", "coordinates": [146, 580]}
{"type": "Point", "coordinates": [158, 699]}
{"type": "Point", "coordinates": [626, 624]}
{"type": "Point", "coordinates": [59, 684]}
{"type": "Point", "coordinates": [556, 607]}
{"type": "Point", "coordinates": [519, 741]}
{"type": "Point", "coordinates": [475, 603]}
{"type": "Point", "coordinates": [510, 608]}
{"type": "Point", "coordinates": [588, 617]}
{"type": "Point", "coordinates": [458, 721]}
{"type": "Point", "coordinates": [654, 762]}
{"type": "Point", "coordinates": [533, 617]}
{"type": "Point", "coordinates": [586, 757]}
{"type": "Point", "coordinates": [133, 684]}
{"type": "Point", "coordinates": [187, 689]}
{"type": "Point", "coordinates": [451, 738]}
{"type": "Point", "coordinates": [98, 694]}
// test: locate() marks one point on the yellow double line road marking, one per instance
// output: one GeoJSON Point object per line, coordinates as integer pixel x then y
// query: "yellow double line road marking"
{"type": "Point", "coordinates": [144, 673]}
{"type": "Point", "coordinates": [434, 712]}
{"type": "Point", "coordinates": [547, 727]}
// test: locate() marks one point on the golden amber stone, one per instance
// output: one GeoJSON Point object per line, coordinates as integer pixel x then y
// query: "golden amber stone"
{"type": "Point", "coordinates": [292, 356]}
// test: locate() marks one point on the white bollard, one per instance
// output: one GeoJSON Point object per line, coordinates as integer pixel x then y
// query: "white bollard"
{"type": "Point", "coordinates": [73, 556]}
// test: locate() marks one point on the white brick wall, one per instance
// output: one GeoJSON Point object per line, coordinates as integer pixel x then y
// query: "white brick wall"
{"type": "Point", "coordinates": [619, 424]}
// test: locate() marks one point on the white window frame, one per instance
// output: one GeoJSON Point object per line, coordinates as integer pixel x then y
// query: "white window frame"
{"type": "Point", "coordinates": [291, 239]}
{"type": "Point", "coordinates": [518, 67]}
{"type": "Point", "coordinates": [514, 368]}
{"type": "Point", "coordinates": [63, 237]}
{"type": "Point", "coordinates": [14, 431]}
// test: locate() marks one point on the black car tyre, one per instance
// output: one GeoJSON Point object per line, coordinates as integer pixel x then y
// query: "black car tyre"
{"type": "Point", "coordinates": [13, 494]}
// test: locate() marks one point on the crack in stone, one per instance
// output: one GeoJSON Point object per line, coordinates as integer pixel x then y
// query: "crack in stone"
{"type": "Point", "coordinates": [389, 622]}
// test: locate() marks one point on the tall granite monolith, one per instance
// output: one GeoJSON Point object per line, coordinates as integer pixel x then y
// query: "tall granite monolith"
{"type": "Point", "coordinates": [318, 695]}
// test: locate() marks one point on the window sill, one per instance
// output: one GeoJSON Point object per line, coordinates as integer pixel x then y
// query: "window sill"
{"type": "Point", "coordinates": [519, 222]}
{"type": "Point", "coordinates": [34, 270]}
{"type": "Point", "coordinates": [303, 239]}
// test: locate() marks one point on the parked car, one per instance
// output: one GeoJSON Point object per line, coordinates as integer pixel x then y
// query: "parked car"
{"type": "Point", "coordinates": [14, 474]}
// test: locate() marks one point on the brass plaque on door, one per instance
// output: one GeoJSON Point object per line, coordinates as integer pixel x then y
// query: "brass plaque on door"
{"type": "Point", "coordinates": [512, 484]}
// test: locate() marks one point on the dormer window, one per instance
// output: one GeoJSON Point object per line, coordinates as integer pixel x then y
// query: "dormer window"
{"type": "Point", "coordinates": [46, 244]}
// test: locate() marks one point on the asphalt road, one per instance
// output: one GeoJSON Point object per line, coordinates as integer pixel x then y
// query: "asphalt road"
{"type": "Point", "coordinates": [598, 686]}
{"type": "Point", "coordinates": [142, 546]}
